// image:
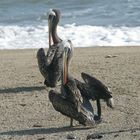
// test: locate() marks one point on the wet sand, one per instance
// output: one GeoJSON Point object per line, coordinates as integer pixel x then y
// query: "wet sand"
{"type": "Point", "coordinates": [27, 114]}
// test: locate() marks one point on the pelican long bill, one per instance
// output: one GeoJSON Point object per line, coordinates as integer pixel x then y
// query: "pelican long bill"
{"type": "Point", "coordinates": [65, 66]}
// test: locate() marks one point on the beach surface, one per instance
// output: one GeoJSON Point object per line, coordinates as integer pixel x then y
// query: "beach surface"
{"type": "Point", "coordinates": [27, 114]}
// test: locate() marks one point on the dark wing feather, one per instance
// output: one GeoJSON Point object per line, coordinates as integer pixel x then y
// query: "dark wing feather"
{"type": "Point", "coordinates": [92, 81]}
{"type": "Point", "coordinates": [97, 89]}
{"type": "Point", "coordinates": [72, 93]}
{"type": "Point", "coordinates": [42, 63]}
{"type": "Point", "coordinates": [86, 104]}
{"type": "Point", "coordinates": [86, 91]}
{"type": "Point", "coordinates": [51, 54]}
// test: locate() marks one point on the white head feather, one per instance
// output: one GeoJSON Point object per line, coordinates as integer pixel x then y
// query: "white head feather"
{"type": "Point", "coordinates": [51, 12]}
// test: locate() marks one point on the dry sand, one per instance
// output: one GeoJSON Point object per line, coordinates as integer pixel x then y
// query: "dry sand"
{"type": "Point", "coordinates": [27, 114]}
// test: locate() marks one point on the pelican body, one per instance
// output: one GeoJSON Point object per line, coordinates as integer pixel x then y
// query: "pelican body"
{"type": "Point", "coordinates": [70, 102]}
{"type": "Point", "coordinates": [73, 101]}
{"type": "Point", "coordinates": [50, 65]}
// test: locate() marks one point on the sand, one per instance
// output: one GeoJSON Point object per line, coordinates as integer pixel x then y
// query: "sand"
{"type": "Point", "coordinates": [27, 114]}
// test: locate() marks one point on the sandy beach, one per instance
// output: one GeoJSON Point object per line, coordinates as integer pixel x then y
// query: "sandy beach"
{"type": "Point", "coordinates": [27, 114]}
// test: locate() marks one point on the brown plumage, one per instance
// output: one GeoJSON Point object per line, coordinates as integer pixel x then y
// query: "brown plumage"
{"type": "Point", "coordinates": [75, 95]}
{"type": "Point", "coordinates": [94, 89]}
{"type": "Point", "coordinates": [50, 65]}
{"type": "Point", "coordinates": [70, 102]}
{"type": "Point", "coordinates": [68, 109]}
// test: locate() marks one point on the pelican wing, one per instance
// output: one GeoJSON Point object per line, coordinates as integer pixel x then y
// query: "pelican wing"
{"type": "Point", "coordinates": [51, 54]}
{"type": "Point", "coordinates": [67, 108]}
{"type": "Point", "coordinates": [72, 93]}
{"type": "Point", "coordinates": [95, 83]}
{"type": "Point", "coordinates": [42, 63]}
{"type": "Point", "coordinates": [86, 91]}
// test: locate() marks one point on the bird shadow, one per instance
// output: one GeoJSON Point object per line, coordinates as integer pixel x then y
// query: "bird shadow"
{"type": "Point", "coordinates": [132, 130]}
{"type": "Point", "coordinates": [52, 130]}
{"type": "Point", "coordinates": [21, 89]}
{"type": "Point", "coordinates": [43, 130]}
{"type": "Point", "coordinates": [116, 132]}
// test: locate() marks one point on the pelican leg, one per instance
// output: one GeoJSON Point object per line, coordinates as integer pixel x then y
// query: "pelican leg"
{"type": "Point", "coordinates": [99, 108]}
{"type": "Point", "coordinates": [98, 117]}
{"type": "Point", "coordinates": [71, 122]}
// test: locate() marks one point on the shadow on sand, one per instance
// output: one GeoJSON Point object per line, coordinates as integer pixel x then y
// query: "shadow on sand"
{"type": "Point", "coordinates": [62, 129]}
{"type": "Point", "coordinates": [21, 89]}
{"type": "Point", "coordinates": [43, 130]}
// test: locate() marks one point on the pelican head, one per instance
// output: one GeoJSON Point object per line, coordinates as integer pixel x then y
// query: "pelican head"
{"type": "Point", "coordinates": [67, 55]}
{"type": "Point", "coordinates": [53, 19]}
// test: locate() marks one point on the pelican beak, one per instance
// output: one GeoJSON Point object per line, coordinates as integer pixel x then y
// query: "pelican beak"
{"type": "Point", "coordinates": [51, 16]}
{"type": "Point", "coordinates": [50, 31]}
{"type": "Point", "coordinates": [49, 24]}
{"type": "Point", "coordinates": [65, 65]}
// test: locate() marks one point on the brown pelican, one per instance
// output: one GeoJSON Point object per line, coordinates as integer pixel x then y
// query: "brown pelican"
{"type": "Point", "coordinates": [50, 65]}
{"type": "Point", "coordinates": [94, 89]}
{"type": "Point", "coordinates": [70, 102]}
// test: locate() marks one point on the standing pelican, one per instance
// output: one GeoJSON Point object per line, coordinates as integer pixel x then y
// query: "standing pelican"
{"type": "Point", "coordinates": [94, 89]}
{"type": "Point", "coordinates": [70, 102]}
{"type": "Point", "coordinates": [50, 65]}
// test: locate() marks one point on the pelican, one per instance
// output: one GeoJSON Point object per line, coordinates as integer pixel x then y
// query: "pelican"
{"type": "Point", "coordinates": [50, 65]}
{"type": "Point", "coordinates": [94, 89]}
{"type": "Point", "coordinates": [70, 102]}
